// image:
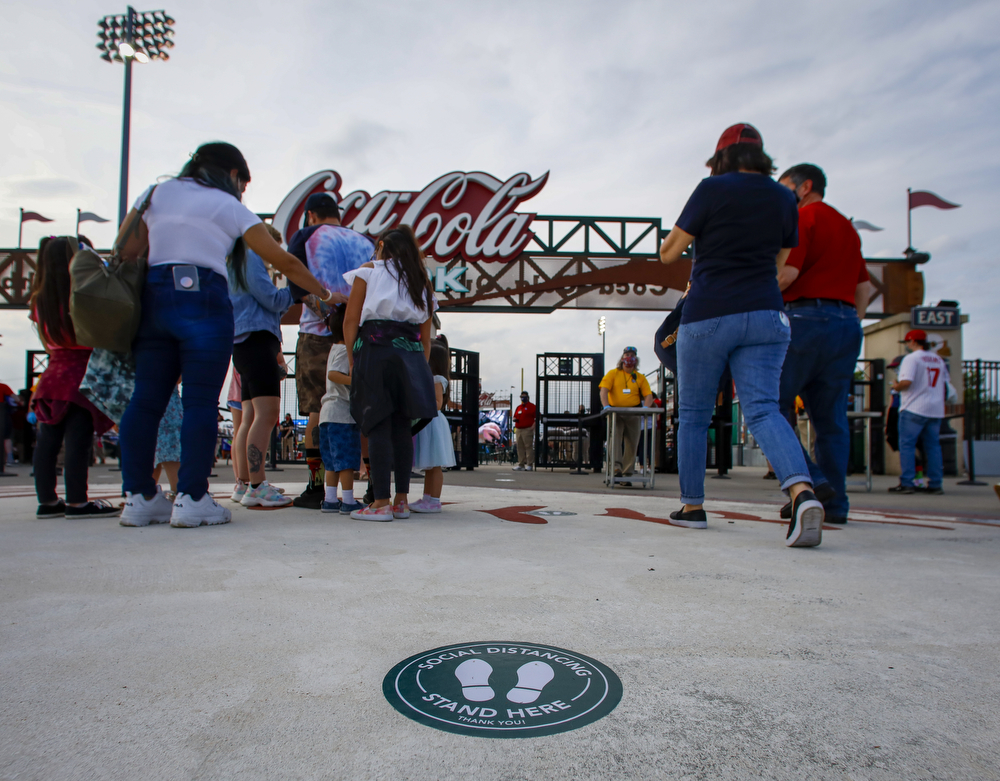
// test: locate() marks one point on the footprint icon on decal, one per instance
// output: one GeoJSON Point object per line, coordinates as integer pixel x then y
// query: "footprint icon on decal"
{"type": "Point", "coordinates": [531, 679]}
{"type": "Point", "coordinates": [474, 675]}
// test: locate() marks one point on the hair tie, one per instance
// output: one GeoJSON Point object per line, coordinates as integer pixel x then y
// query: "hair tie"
{"type": "Point", "coordinates": [194, 157]}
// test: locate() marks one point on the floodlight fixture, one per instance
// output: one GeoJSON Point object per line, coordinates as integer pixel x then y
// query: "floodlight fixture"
{"type": "Point", "coordinates": [132, 36]}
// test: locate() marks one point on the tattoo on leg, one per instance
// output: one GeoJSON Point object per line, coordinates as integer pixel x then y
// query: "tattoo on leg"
{"type": "Point", "coordinates": [255, 459]}
{"type": "Point", "coordinates": [315, 436]}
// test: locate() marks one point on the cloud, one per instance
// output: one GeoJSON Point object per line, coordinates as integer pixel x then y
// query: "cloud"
{"type": "Point", "coordinates": [43, 188]}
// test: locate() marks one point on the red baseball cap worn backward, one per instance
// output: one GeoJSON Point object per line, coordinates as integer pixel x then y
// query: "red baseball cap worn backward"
{"type": "Point", "coordinates": [916, 335]}
{"type": "Point", "coordinates": [743, 133]}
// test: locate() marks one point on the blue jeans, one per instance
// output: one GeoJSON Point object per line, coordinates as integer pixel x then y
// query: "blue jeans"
{"type": "Point", "coordinates": [819, 367]}
{"type": "Point", "coordinates": [753, 344]}
{"type": "Point", "coordinates": [912, 428]}
{"type": "Point", "coordinates": [183, 334]}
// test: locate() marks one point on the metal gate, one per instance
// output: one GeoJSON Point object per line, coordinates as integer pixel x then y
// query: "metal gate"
{"type": "Point", "coordinates": [462, 408]}
{"type": "Point", "coordinates": [566, 389]}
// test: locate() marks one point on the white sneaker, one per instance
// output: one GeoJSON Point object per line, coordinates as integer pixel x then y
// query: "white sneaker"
{"type": "Point", "coordinates": [239, 491]}
{"type": "Point", "coordinates": [517, 468]}
{"type": "Point", "coordinates": [205, 512]}
{"type": "Point", "coordinates": [140, 511]}
{"type": "Point", "coordinates": [529, 468]}
{"type": "Point", "coordinates": [264, 495]}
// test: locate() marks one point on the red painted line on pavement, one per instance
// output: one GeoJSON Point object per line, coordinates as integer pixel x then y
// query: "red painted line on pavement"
{"type": "Point", "coordinates": [517, 514]}
{"type": "Point", "coordinates": [901, 523]}
{"type": "Point", "coordinates": [632, 515]}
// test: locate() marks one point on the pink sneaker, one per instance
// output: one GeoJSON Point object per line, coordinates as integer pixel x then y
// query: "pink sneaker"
{"type": "Point", "coordinates": [382, 514]}
{"type": "Point", "coordinates": [401, 510]}
{"type": "Point", "coordinates": [430, 505]}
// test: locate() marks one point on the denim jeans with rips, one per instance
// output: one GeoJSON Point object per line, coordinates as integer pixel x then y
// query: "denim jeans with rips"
{"type": "Point", "coordinates": [753, 344]}
{"type": "Point", "coordinates": [183, 334]}
{"type": "Point", "coordinates": [819, 367]}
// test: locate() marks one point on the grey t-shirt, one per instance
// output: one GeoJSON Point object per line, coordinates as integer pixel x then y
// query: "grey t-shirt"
{"type": "Point", "coordinates": [337, 399]}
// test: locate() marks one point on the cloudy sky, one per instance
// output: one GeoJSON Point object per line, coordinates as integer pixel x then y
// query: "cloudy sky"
{"type": "Point", "coordinates": [621, 102]}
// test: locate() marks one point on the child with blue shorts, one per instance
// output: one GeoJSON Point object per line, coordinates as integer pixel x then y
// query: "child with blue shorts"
{"type": "Point", "coordinates": [339, 438]}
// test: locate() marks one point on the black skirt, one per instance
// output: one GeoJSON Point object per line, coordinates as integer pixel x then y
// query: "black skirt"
{"type": "Point", "coordinates": [391, 375]}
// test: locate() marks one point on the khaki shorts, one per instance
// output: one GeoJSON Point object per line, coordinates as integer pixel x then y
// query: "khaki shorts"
{"type": "Point", "coordinates": [311, 353]}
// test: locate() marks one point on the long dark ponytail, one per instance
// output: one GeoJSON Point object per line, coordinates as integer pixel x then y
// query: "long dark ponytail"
{"type": "Point", "coordinates": [50, 291]}
{"type": "Point", "coordinates": [401, 252]}
{"type": "Point", "coordinates": [210, 166]}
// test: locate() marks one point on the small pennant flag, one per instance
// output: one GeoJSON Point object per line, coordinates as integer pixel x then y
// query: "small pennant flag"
{"type": "Point", "coordinates": [927, 198]}
{"type": "Point", "coordinates": [864, 225]}
{"type": "Point", "coordinates": [90, 217]}
{"type": "Point", "coordinates": [29, 216]}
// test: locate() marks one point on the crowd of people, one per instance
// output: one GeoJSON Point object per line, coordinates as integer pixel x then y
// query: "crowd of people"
{"type": "Point", "coordinates": [777, 290]}
{"type": "Point", "coordinates": [207, 299]}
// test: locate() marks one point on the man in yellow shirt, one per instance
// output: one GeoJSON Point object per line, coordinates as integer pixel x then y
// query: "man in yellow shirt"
{"type": "Point", "coordinates": [623, 386]}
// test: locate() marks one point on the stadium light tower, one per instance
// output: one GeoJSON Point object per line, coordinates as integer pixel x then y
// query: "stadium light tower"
{"type": "Point", "coordinates": [602, 326]}
{"type": "Point", "coordinates": [123, 38]}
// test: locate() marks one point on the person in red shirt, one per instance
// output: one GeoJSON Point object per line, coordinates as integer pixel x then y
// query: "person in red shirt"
{"type": "Point", "coordinates": [524, 428]}
{"type": "Point", "coordinates": [6, 426]}
{"type": "Point", "coordinates": [825, 287]}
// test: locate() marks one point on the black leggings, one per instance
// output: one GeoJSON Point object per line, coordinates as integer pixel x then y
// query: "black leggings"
{"type": "Point", "coordinates": [77, 429]}
{"type": "Point", "coordinates": [390, 448]}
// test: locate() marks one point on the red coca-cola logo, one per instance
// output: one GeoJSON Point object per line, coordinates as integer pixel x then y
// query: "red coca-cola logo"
{"type": "Point", "coordinates": [472, 215]}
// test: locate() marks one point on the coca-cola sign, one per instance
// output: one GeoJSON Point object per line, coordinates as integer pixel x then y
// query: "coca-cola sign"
{"type": "Point", "coordinates": [471, 215]}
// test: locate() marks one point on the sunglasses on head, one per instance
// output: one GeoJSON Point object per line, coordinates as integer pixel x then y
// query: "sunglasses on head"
{"type": "Point", "coordinates": [630, 350]}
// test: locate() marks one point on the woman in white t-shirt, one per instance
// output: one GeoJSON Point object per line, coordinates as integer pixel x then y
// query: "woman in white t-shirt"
{"type": "Point", "coordinates": [197, 228]}
{"type": "Point", "coordinates": [387, 329]}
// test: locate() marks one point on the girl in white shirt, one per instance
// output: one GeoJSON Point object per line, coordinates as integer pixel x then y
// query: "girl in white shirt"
{"type": "Point", "coordinates": [196, 228]}
{"type": "Point", "coordinates": [387, 328]}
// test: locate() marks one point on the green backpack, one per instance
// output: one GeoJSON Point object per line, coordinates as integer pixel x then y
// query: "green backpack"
{"type": "Point", "coordinates": [105, 301]}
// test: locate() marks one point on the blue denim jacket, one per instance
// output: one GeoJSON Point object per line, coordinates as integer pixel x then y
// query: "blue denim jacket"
{"type": "Point", "coordinates": [260, 308]}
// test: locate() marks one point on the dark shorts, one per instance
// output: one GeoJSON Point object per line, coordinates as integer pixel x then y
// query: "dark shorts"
{"type": "Point", "coordinates": [339, 446]}
{"type": "Point", "coordinates": [311, 353]}
{"type": "Point", "coordinates": [256, 359]}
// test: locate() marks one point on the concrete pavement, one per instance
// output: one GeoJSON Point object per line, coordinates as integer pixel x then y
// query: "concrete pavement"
{"type": "Point", "coordinates": [257, 650]}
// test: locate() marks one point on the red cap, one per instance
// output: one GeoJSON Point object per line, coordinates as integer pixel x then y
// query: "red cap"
{"type": "Point", "coordinates": [916, 335]}
{"type": "Point", "coordinates": [743, 133]}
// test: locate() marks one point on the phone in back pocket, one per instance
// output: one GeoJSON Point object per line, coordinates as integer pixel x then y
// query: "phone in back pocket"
{"type": "Point", "coordinates": [186, 279]}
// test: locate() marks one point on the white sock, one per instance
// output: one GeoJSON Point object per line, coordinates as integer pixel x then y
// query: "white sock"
{"type": "Point", "coordinates": [331, 493]}
{"type": "Point", "coordinates": [429, 498]}
{"type": "Point", "coordinates": [348, 495]}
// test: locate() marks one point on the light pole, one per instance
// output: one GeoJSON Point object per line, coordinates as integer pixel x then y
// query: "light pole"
{"type": "Point", "coordinates": [133, 36]}
{"type": "Point", "coordinates": [602, 323]}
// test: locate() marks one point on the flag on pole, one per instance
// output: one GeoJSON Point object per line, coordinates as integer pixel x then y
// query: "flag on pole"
{"type": "Point", "coordinates": [90, 217]}
{"type": "Point", "coordinates": [927, 198]}
{"type": "Point", "coordinates": [864, 225]}
{"type": "Point", "coordinates": [29, 216]}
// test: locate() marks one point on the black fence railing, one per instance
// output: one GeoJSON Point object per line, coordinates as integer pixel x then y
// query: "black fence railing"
{"type": "Point", "coordinates": [463, 408]}
{"type": "Point", "coordinates": [982, 399]}
{"type": "Point", "coordinates": [566, 389]}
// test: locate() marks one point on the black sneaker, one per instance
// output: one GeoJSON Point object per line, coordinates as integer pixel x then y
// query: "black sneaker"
{"type": "Point", "coordinates": [312, 498]}
{"type": "Point", "coordinates": [692, 519]}
{"type": "Point", "coordinates": [902, 489]}
{"type": "Point", "coordinates": [95, 508]}
{"type": "Point", "coordinates": [933, 491]}
{"type": "Point", "coordinates": [57, 510]}
{"type": "Point", "coordinates": [824, 492]}
{"type": "Point", "coordinates": [806, 527]}
{"type": "Point", "coordinates": [369, 497]}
